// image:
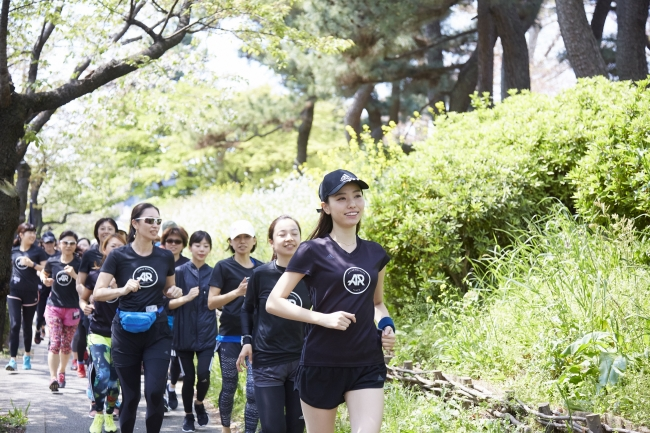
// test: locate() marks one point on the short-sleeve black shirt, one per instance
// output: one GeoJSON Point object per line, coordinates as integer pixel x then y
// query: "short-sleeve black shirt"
{"type": "Point", "coordinates": [91, 259]}
{"type": "Point", "coordinates": [104, 311]}
{"type": "Point", "coordinates": [226, 275]}
{"type": "Point", "coordinates": [64, 288]}
{"type": "Point", "coordinates": [341, 281]}
{"type": "Point", "coordinates": [275, 340]}
{"type": "Point", "coordinates": [23, 278]}
{"type": "Point", "coordinates": [152, 272]}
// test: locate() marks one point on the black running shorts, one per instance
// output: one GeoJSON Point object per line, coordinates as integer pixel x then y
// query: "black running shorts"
{"type": "Point", "coordinates": [325, 387]}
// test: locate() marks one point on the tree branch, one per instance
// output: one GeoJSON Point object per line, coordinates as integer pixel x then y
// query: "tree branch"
{"type": "Point", "coordinates": [408, 71]}
{"type": "Point", "coordinates": [46, 32]}
{"type": "Point", "coordinates": [146, 29]}
{"type": "Point", "coordinates": [431, 45]}
{"type": "Point", "coordinates": [169, 15]}
{"type": "Point", "coordinates": [132, 14]}
{"type": "Point", "coordinates": [6, 87]}
{"type": "Point", "coordinates": [111, 70]}
{"type": "Point", "coordinates": [34, 128]}
{"type": "Point", "coordinates": [65, 216]}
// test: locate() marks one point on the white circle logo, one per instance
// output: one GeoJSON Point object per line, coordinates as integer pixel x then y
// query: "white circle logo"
{"type": "Point", "coordinates": [18, 264]}
{"type": "Point", "coordinates": [146, 275]}
{"type": "Point", "coordinates": [356, 280]}
{"type": "Point", "coordinates": [63, 279]}
{"type": "Point", "coordinates": [295, 299]}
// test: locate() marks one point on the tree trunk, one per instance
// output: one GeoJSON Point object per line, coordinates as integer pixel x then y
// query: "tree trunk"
{"type": "Point", "coordinates": [12, 122]}
{"type": "Point", "coordinates": [395, 95]}
{"type": "Point", "coordinates": [307, 116]}
{"type": "Point", "coordinates": [459, 99]}
{"type": "Point", "coordinates": [516, 73]}
{"type": "Point", "coordinates": [37, 210]}
{"type": "Point", "coordinates": [487, 37]}
{"type": "Point", "coordinates": [582, 48]}
{"type": "Point", "coordinates": [353, 115]}
{"type": "Point", "coordinates": [373, 108]}
{"type": "Point", "coordinates": [22, 188]}
{"type": "Point", "coordinates": [435, 59]}
{"type": "Point", "coordinates": [631, 63]}
{"type": "Point", "coordinates": [598, 19]}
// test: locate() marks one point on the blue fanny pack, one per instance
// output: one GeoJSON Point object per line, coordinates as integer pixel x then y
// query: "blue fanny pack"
{"type": "Point", "coordinates": [136, 322]}
{"type": "Point", "coordinates": [170, 322]}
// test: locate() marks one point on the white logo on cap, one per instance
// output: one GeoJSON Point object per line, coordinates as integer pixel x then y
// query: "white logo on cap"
{"type": "Point", "coordinates": [346, 178]}
{"type": "Point", "coordinates": [295, 299]}
{"type": "Point", "coordinates": [18, 264]}
{"type": "Point", "coordinates": [146, 275]}
{"type": "Point", "coordinates": [356, 280]}
{"type": "Point", "coordinates": [63, 279]}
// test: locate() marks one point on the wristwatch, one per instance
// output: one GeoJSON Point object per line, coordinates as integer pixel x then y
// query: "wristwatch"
{"type": "Point", "coordinates": [250, 339]}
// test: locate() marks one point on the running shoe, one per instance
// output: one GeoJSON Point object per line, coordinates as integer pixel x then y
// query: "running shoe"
{"type": "Point", "coordinates": [173, 398]}
{"type": "Point", "coordinates": [201, 415]}
{"type": "Point", "coordinates": [166, 405]}
{"type": "Point", "coordinates": [11, 365]}
{"type": "Point", "coordinates": [188, 423]}
{"type": "Point", "coordinates": [81, 370]}
{"type": "Point", "coordinates": [74, 365]}
{"type": "Point", "coordinates": [61, 380]}
{"type": "Point", "coordinates": [37, 337]}
{"type": "Point", "coordinates": [98, 423]}
{"type": "Point", "coordinates": [54, 385]}
{"type": "Point", "coordinates": [109, 424]}
{"type": "Point", "coordinates": [27, 362]}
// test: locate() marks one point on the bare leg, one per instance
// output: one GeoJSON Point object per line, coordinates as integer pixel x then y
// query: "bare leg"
{"type": "Point", "coordinates": [366, 409]}
{"type": "Point", "coordinates": [53, 363]}
{"type": "Point", "coordinates": [65, 357]}
{"type": "Point", "coordinates": [318, 420]}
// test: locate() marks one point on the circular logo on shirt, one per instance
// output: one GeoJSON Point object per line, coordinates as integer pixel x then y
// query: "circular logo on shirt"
{"type": "Point", "coordinates": [63, 279]}
{"type": "Point", "coordinates": [356, 280]}
{"type": "Point", "coordinates": [19, 264]}
{"type": "Point", "coordinates": [295, 299]}
{"type": "Point", "coordinates": [146, 275]}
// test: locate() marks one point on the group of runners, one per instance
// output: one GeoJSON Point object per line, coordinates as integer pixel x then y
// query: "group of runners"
{"type": "Point", "coordinates": [308, 327]}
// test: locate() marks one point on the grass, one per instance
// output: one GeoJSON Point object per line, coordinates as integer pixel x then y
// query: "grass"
{"type": "Point", "coordinates": [562, 317]}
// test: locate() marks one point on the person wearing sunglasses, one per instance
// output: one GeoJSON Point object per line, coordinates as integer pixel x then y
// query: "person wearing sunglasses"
{"type": "Point", "coordinates": [174, 239]}
{"type": "Point", "coordinates": [48, 243]}
{"type": "Point", "coordinates": [62, 311]}
{"type": "Point", "coordinates": [140, 334]}
{"type": "Point", "coordinates": [24, 285]}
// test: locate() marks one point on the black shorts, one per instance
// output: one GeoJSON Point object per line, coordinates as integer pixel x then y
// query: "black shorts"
{"type": "Point", "coordinates": [325, 387]}
{"type": "Point", "coordinates": [128, 348]}
{"type": "Point", "coordinates": [28, 298]}
{"type": "Point", "coordinates": [228, 350]}
{"type": "Point", "coordinates": [275, 375]}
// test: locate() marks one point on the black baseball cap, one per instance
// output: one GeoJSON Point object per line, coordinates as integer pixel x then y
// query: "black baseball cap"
{"type": "Point", "coordinates": [48, 237]}
{"type": "Point", "coordinates": [334, 181]}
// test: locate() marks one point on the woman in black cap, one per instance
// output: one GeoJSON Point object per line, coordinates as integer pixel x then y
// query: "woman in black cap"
{"type": "Point", "coordinates": [342, 359]}
{"type": "Point", "coordinates": [49, 246]}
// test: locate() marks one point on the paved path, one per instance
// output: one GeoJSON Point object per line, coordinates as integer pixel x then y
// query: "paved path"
{"type": "Point", "coordinates": [67, 410]}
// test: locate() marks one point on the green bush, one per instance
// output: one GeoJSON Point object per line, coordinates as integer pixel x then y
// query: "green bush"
{"type": "Point", "coordinates": [480, 173]}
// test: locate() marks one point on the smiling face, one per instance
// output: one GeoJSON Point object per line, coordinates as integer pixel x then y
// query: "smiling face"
{"type": "Point", "coordinates": [200, 250]}
{"type": "Point", "coordinates": [346, 206]}
{"type": "Point", "coordinates": [104, 231]}
{"type": "Point", "coordinates": [243, 244]}
{"type": "Point", "coordinates": [174, 243]}
{"type": "Point", "coordinates": [286, 237]}
{"type": "Point", "coordinates": [28, 237]}
{"type": "Point", "coordinates": [147, 230]}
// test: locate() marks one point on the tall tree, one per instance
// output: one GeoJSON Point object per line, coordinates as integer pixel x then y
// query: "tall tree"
{"type": "Point", "coordinates": [631, 62]}
{"type": "Point", "coordinates": [487, 37]}
{"type": "Point", "coordinates": [601, 10]}
{"type": "Point", "coordinates": [582, 48]}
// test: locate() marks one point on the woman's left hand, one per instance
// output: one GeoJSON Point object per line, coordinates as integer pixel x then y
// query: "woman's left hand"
{"type": "Point", "coordinates": [388, 338]}
{"type": "Point", "coordinates": [174, 292]}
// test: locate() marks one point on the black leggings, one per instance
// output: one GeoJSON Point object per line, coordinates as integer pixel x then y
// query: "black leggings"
{"type": "Point", "coordinates": [79, 341]}
{"type": "Point", "coordinates": [44, 294]}
{"type": "Point", "coordinates": [17, 314]}
{"type": "Point", "coordinates": [202, 373]}
{"type": "Point", "coordinates": [174, 370]}
{"type": "Point", "coordinates": [272, 401]}
{"type": "Point", "coordinates": [154, 390]}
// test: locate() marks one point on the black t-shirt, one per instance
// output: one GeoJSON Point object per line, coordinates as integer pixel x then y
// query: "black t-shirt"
{"type": "Point", "coordinates": [24, 278]}
{"type": "Point", "coordinates": [275, 340]}
{"type": "Point", "coordinates": [54, 254]}
{"type": "Point", "coordinates": [227, 275]}
{"type": "Point", "coordinates": [104, 312]}
{"type": "Point", "coordinates": [152, 272]}
{"type": "Point", "coordinates": [341, 281]}
{"type": "Point", "coordinates": [91, 259]}
{"type": "Point", "coordinates": [181, 260]}
{"type": "Point", "coordinates": [64, 288]}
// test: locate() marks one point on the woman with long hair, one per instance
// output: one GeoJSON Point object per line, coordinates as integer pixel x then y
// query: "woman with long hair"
{"type": "Point", "coordinates": [140, 334]}
{"type": "Point", "coordinates": [227, 289]}
{"type": "Point", "coordinates": [62, 312]}
{"type": "Point", "coordinates": [273, 344]}
{"type": "Point", "coordinates": [100, 312]}
{"type": "Point", "coordinates": [195, 328]}
{"type": "Point", "coordinates": [342, 359]}
{"type": "Point", "coordinates": [22, 301]}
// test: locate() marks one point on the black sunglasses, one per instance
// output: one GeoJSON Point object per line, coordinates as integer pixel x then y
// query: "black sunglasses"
{"type": "Point", "coordinates": [173, 241]}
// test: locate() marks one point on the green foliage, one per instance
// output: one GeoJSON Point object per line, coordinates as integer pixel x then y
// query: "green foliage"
{"type": "Point", "coordinates": [561, 316]}
{"type": "Point", "coordinates": [15, 417]}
